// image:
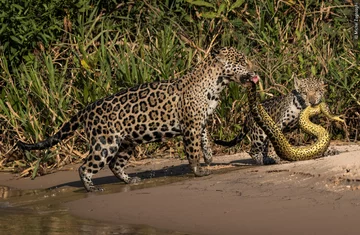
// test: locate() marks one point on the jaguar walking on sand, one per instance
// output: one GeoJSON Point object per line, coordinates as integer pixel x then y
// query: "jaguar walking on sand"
{"type": "Point", "coordinates": [153, 112]}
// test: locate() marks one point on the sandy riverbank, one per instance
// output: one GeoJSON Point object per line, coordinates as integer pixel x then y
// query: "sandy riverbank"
{"type": "Point", "coordinates": [319, 196]}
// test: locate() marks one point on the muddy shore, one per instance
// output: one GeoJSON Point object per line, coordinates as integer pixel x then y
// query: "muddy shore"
{"type": "Point", "coordinates": [318, 196]}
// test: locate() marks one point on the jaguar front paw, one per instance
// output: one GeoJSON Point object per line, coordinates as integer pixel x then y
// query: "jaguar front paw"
{"type": "Point", "coordinates": [201, 171]}
{"type": "Point", "coordinates": [132, 180]}
{"type": "Point", "coordinates": [92, 189]}
{"type": "Point", "coordinates": [208, 160]}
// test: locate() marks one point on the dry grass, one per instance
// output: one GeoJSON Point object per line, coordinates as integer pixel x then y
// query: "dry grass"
{"type": "Point", "coordinates": [96, 48]}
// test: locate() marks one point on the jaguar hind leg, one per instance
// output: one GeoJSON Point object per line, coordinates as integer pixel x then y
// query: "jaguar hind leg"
{"type": "Point", "coordinates": [100, 154]}
{"type": "Point", "coordinates": [91, 166]}
{"type": "Point", "coordinates": [118, 163]}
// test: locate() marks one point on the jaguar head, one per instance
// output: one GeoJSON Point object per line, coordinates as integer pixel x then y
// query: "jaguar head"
{"type": "Point", "coordinates": [311, 89]}
{"type": "Point", "coordinates": [235, 66]}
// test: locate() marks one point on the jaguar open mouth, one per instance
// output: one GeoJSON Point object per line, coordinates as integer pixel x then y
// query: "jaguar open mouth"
{"type": "Point", "coordinates": [255, 79]}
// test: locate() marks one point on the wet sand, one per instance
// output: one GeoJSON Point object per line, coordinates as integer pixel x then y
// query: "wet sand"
{"type": "Point", "coordinates": [318, 196]}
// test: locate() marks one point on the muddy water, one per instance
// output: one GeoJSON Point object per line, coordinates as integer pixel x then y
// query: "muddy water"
{"type": "Point", "coordinates": [41, 211]}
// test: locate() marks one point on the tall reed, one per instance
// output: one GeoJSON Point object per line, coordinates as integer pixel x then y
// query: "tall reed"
{"type": "Point", "coordinates": [57, 57]}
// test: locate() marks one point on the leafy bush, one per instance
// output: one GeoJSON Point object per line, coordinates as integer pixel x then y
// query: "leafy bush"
{"type": "Point", "coordinates": [56, 56]}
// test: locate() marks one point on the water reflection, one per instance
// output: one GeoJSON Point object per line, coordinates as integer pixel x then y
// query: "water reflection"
{"type": "Point", "coordinates": [26, 221]}
{"type": "Point", "coordinates": [7, 192]}
{"type": "Point", "coordinates": [41, 211]}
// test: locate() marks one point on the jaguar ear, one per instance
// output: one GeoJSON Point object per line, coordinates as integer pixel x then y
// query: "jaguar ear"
{"type": "Point", "coordinates": [321, 82]}
{"type": "Point", "coordinates": [324, 85]}
{"type": "Point", "coordinates": [214, 52]}
{"type": "Point", "coordinates": [220, 55]}
{"type": "Point", "coordinates": [296, 83]}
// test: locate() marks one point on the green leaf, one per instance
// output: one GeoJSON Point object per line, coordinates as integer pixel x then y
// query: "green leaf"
{"type": "Point", "coordinates": [15, 39]}
{"type": "Point", "coordinates": [201, 3]}
{"type": "Point", "coordinates": [17, 6]}
{"type": "Point", "coordinates": [301, 59]}
{"type": "Point", "coordinates": [36, 168]}
{"type": "Point", "coordinates": [4, 109]}
{"type": "Point", "coordinates": [221, 8]}
{"type": "Point", "coordinates": [313, 70]}
{"type": "Point", "coordinates": [237, 4]}
{"type": "Point", "coordinates": [4, 26]}
{"type": "Point", "coordinates": [209, 15]}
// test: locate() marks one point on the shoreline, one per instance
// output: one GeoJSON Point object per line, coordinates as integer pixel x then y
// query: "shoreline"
{"type": "Point", "coordinates": [315, 196]}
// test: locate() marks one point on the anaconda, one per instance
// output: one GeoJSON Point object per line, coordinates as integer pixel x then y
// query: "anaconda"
{"type": "Point", "coordinates": [281, 146]}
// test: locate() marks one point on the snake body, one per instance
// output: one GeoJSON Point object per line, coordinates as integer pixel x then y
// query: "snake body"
{"type": "Point", "coordinates": [281, 145]}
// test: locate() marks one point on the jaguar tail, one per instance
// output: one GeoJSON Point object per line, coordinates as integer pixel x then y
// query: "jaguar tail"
{"type": "Point", "coordinates": [236, 140]}
{"type": "Point", "coordinates": [65, 131]}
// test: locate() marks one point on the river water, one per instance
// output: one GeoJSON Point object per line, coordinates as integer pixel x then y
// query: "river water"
{"type": "Point", "coordinates": [43, 212]}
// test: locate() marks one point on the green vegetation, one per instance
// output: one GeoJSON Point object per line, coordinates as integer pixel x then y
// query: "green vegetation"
{"type": "Point", "coordinates": [56, 56]}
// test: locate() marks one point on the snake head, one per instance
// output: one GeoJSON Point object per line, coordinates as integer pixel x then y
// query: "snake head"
{"type": "Point", "coordinates": [339, 118]}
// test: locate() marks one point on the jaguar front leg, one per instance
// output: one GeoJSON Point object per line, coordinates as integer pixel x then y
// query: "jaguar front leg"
{"type": "Point", "coordinates": [193, 147]}
{"type": "Point", "coordinates": [205, 146]}
{"type": "Point", "coordinates": [258, 150]}
{"type": "Point", "coordinates": [270, 156]}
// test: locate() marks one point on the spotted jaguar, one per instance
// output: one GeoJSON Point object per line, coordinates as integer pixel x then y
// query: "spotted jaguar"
{"type": "Point", "coordinates": [285, 111]}
{"type": "Point", "coordinates": [153, 112]}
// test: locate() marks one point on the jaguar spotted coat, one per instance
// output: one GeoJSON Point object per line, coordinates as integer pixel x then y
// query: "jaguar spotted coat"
{"type": "Point", "coordinates": [153, 112]}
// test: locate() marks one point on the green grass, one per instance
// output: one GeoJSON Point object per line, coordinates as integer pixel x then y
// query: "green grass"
{"type": "Point", "coordinates": [55, 59]}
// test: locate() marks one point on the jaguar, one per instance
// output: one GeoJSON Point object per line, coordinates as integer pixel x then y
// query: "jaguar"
{"type": "Point", "coordinates": [153, 112]}
{"type": "Point", "coordinates": [281, 146]}
{"type": "Point", "coordinates": [285, 111]}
